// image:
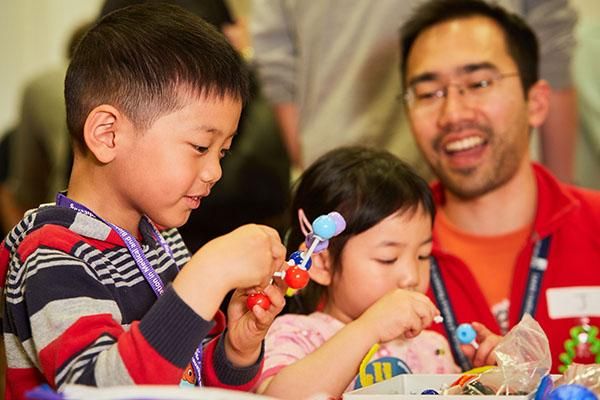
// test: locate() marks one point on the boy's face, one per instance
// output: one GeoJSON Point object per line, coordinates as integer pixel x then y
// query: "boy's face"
{"type": "Point", "coordinates": [173, 165]}
{"type": "Point", "coordinates": [476, 137]}
{"type": "Point", "coordinates": [392, 254]}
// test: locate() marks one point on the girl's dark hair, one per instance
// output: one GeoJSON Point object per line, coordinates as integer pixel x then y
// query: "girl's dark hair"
{"type": "Point", "coordinates": [365, 185]}
{"type": "Point", "coordinates": [144, 59]}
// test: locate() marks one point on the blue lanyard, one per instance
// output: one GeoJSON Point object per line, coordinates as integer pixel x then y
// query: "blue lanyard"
{"type": "Point", "coordinates": [537, 267]}
{"type": "Point", "coordinates": [443, 301]}
{"type": "Point", "coordinates": [140, 259]}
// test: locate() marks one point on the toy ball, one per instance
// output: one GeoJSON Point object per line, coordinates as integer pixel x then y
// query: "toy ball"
{"type": "Point", "coordinates": [297, 258]}
{"type": "Point", "coordinates": [322, 245]}
{"type": "Point", "coordinates": [429, 391]}
{"type": "Point", "coordinates": [339, 221]}
{"type": "Point", "coordinates": [324, 227]}
{"type": "Point", "coordinates": [296, 277]}
{"type": "Point", "coordinates": [258, 298]}
{"type": "Point", "coordinates": [465, 333]}
{"type": "Point", "coordinates": [572, 392]}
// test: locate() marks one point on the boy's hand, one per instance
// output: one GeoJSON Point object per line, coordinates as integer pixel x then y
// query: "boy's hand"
{"type": "Point", "coordinates": [247, 328]}
{"type": "Point", "coordinates": [488, 341]}
{"type": "Point", "coordinates": [244, 258]}
{"type": "Point", "coordinates": [400, 313]}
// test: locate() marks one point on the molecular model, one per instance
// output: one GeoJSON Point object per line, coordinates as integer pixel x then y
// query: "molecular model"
{"type": "Point", "coordinates": [296, 276]}
{"type": "Point", "coordinates": [467, 335]}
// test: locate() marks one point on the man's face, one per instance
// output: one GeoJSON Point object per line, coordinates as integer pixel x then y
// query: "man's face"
{"type": "Point", "coordinates": [466, 105]}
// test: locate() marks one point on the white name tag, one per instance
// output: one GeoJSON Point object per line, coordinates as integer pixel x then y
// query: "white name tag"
{"type": "Point", "coordinates": [573, 302]}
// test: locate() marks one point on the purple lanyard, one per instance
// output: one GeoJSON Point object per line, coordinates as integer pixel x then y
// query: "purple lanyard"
{"type": "Point", "coordinates": [140, 259]}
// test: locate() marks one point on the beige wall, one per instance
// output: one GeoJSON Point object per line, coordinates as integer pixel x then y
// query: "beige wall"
{"type": "Point", "coordinates": [33, 35]}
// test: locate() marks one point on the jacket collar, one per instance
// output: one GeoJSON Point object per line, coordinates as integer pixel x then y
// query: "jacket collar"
{"type": "Point", "coordinates": [555, 201]}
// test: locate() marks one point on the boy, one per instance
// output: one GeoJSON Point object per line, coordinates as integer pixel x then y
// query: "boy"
{"type": "Point", "coordinates": [153, 99]}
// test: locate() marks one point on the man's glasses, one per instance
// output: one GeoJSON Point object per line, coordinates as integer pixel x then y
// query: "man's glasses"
{"type": "Point", "coordinates": [472, 86]}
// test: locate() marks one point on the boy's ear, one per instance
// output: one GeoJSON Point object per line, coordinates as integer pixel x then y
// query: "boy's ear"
{"type": "Point", "coordinates": [321, 270]}
{"type": "Point", "coordinates": [99, 132]}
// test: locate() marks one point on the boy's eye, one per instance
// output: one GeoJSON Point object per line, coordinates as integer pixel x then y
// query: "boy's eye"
{"type": "Point", "coordinates": [424, 257]}
{"type": "Point", "coordinates": [387, 261]}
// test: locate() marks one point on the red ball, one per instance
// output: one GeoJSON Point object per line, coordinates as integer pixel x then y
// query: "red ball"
{"type": "Point", "coordinates": [258, 298]}
{"type": "Point", "coordinates": [296, 277]}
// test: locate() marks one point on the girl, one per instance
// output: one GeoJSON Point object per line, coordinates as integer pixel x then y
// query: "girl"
{"type": "Point", "coordinates": [367, 287]}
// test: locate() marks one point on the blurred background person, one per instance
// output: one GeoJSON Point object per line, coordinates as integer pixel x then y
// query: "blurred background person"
{"type": "Point", "coordinates": [587, 81]}
{"type": "Point", "coordinates": [330, 70]}
{"type": "Point", "coordinates": [39, 158]}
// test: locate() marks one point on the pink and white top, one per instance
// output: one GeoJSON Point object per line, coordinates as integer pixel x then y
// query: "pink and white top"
{"type": "Point", "coordinates": [293, 336]}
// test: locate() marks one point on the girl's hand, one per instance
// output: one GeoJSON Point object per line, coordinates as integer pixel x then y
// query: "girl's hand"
{"type": "Point", "coordinates": [247, 328]}
{"type": "Point", "coordinates": [400, 313]}
{"type": "Point", "coordinates": [488, 341]}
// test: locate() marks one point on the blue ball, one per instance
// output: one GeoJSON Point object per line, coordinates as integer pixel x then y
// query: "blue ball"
{"type": "Point", "coordinates": [465, 333]}
{"type": "Point", "coordinates": [572, 392]}
{"type": "Point", "coordinates": [297, 258]}
{"type": "Point", "coordinates": [429, 391]}
{"type": "Point", "coordinates": [324, 227]}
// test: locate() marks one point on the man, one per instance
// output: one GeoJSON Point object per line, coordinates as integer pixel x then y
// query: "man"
{"type": "Point", "coordinates": [586, 78]}
{"type": "Point", "coordinates": [330, 69]}
{"type": "Point", "coordinates": [507, 233]}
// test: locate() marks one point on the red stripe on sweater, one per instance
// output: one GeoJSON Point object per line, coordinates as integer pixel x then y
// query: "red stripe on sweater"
{"type": "Point", "coordinates": [20, 380]}
{"type": "Point", "coordinates": [220, 324]}
{"type": "Point", "coordinates": [85, 331]}
{"type": "Point", "coordinates": [155, 369]}
{"type": "Point", "coordinates": [56, 237]}
{"type": "Point", "coordinates": [4, 263]}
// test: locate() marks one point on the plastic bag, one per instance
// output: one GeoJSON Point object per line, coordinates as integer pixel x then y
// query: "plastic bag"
{"type": "Point", "coordinates": [587, 375]}
{"type": "Point", "coordinates": [523, 357]}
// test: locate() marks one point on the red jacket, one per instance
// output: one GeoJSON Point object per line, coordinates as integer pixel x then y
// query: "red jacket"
{"type": "Point", "coordinates": [572, 217]}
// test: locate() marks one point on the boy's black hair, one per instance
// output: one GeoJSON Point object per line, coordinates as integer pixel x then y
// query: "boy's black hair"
{"type": "Point", "coordinates": [521, 41]}
{"type": "Point", "coordinates": [365, 185]}
{"type": "Point", "coordinates": [215, 12]}
{"type": "Point", "coordinates": [145, 60]}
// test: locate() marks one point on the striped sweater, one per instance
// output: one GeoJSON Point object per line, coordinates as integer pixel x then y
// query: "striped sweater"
{"type": "Point", "coordinates": [77, 309]}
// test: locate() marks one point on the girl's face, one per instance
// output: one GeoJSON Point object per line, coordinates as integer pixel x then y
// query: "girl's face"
{"type": "Point", "coordinates": [392, 254]}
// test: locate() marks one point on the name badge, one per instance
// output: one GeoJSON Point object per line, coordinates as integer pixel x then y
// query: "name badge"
{"type": "Point", "coordinates": [573, 302]}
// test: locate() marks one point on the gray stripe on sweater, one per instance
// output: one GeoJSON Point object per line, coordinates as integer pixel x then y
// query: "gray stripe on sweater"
{"type": "Point", "coordinates": [57, 316]}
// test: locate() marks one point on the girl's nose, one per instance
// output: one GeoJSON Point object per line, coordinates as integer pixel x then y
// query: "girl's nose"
{"type": "Point", "coordinates": [409, 276]}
